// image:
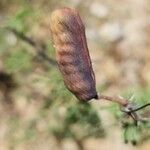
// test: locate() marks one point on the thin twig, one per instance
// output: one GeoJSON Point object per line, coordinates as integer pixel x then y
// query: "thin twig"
{"type": "Point", "coordinates": [39, 49]}
{"type": "Point", "coordinates": [139, 108]}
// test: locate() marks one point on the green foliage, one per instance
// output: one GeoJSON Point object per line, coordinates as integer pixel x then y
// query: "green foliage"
{"type": "Point", "coordinates": [83, 113]}
{"type": "Point", "coordinates": [18, 60]}
{"type": "Point", "coordinates": [131, 131]}
{"type": "Point", "coordinates": [79, 121]}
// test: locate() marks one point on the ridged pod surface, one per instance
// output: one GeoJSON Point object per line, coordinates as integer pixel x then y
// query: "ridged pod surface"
{"type": "Point", "coordinates": [72, 55]}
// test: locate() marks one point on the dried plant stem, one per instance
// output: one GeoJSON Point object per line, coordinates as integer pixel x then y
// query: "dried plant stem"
{"type": "Point", "coordinates": [121, 101]}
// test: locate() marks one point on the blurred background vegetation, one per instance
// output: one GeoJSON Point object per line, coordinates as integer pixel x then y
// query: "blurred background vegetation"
{"type": "Point", "coordinates": [37, 112]}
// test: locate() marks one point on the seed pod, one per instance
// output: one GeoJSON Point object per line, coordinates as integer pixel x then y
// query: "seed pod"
{"type": "Point", "coordinates": [68, 34]}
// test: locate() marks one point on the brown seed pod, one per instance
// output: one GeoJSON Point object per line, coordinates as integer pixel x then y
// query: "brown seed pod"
{"type": "Point", "coordinates": [68, 34]}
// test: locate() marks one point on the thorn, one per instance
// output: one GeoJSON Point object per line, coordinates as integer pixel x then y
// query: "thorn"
{"type": "Point", "coordinates": [132, 97]}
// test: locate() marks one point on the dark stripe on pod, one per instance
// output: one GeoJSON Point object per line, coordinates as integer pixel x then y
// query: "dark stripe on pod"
{"type": "Point", "coordinates": [68, 34]}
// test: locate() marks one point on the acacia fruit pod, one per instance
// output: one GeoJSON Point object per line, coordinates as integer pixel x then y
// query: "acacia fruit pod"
{"type": "Point", "coordinates": [72, 55]}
